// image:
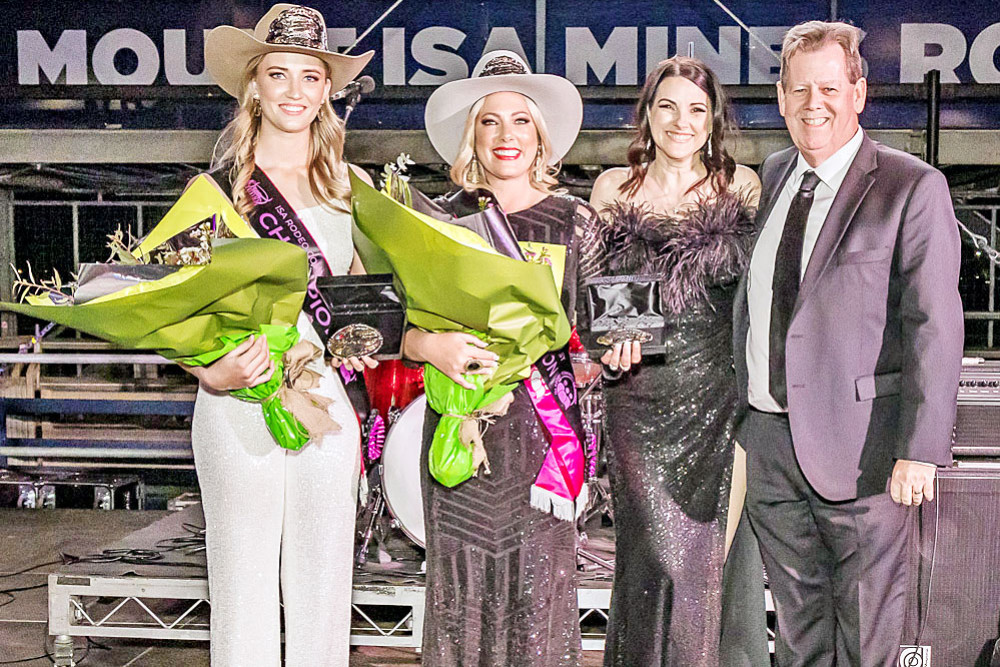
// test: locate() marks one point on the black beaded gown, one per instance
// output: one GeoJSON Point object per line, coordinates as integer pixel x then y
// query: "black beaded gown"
{"type": "Point", "coordinates": [501, 575]}
{"type": "Point", "coordinates": [670, 447]}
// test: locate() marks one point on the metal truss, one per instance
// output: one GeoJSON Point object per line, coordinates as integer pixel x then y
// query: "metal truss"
{"type": "Point", "coordinates": [594, 604]}
{"type": "Point", "coordinates": [387, 615]}
{"type": "Point", "coordinates": [177, 609]}
{"type": "Point", "coordinates": [980, 222]}
{"type": "Point", "coordinates": [129, 607]}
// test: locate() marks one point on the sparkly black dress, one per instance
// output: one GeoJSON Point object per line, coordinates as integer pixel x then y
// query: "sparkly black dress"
{"type": "Point", "coordinates": [670, 449]}
{"type": "Point", "coordinates": [501, 586]}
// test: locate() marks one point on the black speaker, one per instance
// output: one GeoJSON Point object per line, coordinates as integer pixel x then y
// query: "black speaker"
{"type": "Point", "coordinates": [977, 430]}
{"type": "Point", "coordinates": [954, 599]}
{"type": "Point", "coordinates": [977, 424]}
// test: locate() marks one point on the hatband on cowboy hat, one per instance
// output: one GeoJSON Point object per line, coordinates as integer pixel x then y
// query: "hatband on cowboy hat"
{"type": "Point", "coordinates": [503, 71]}
{"type": "Point", "coordinates": [284, 28]}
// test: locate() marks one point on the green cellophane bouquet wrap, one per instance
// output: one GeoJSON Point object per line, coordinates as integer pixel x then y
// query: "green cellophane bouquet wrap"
{"type": "Point", "coordinates": [457, 450]}
{"type": "Point", "coordinates": [198, 313]}
{"type": "Point", "coordinates": [452, 280]}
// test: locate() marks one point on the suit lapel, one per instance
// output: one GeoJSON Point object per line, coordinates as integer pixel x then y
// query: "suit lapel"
{"type": "Point", "coordinates": [857, 182]}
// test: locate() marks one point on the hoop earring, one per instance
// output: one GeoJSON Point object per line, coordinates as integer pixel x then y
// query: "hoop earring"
{"type": "Point", "coordinates": [539, 167]}
{"type": "Point", "coordinates": [472, 172]}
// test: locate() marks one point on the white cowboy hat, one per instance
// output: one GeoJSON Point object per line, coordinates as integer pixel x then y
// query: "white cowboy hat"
{"type": "Point", "coordinates": [285, 28]}
{"type": "Point", "coordinates": [503, 71]}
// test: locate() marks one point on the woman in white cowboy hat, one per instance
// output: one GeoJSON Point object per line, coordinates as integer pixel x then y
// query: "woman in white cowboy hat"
{"type": "Point", "coordinates": [501, 584]}
{"type": "Point", "coordinates": [280, 523]}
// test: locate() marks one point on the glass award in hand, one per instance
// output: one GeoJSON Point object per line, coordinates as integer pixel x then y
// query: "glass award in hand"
{"type": "Point", "coordinates": [624, 309]}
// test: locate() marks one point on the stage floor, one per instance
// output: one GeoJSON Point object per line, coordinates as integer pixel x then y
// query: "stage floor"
{"type": "Point", "coordinates": [31, 537]}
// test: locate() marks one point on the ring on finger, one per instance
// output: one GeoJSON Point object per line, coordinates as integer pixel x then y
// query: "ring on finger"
{"type": "Point", "coordinates": [472, 365]}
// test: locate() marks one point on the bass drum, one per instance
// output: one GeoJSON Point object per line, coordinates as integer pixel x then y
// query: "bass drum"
{"type": "Point", "coordinates": [401, 470]}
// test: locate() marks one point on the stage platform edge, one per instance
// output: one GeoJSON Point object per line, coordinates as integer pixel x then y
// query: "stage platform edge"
{"type": "Point", "coordinates": [171, 609]}
{"type": "Point", "coordinates": [97, 601]}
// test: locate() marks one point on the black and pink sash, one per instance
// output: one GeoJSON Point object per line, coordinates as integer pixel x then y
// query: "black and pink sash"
{"type": "Point", "coordinates": [272, 216]}
{"type": "Point", "coordinates": [560, 486]}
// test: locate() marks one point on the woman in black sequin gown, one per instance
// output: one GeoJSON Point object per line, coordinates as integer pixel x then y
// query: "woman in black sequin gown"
{"type": "Point", "coordinates": [682, 210]}
{"type": "Point", "coordinates": [501, 588]}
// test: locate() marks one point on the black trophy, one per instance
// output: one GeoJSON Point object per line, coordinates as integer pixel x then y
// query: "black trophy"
{"type": "Point", "coordinates": [624, 309]}
{"type": "Point", "coordinates": [367, 316]}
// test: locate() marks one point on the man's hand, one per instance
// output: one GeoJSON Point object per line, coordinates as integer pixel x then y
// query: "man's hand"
{"type": "Point", "coordinates": [912, 482]}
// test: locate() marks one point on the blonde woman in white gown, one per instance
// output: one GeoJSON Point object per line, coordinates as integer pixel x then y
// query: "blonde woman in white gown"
{"type": "Point", "coordinates": [280, 524]}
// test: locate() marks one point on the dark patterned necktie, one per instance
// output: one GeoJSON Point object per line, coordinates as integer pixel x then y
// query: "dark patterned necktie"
{"type": "Point", "coordinates": [785, 284]}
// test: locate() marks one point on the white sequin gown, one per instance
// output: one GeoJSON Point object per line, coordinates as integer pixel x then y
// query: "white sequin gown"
{"type": "Point", "coordinates": [279, 520]}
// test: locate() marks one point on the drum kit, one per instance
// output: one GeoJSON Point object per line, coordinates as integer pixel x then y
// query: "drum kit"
{"type": "Point", "coordinates": [393, 457]}
{"type": "Point", "coordinates": [394, 434]}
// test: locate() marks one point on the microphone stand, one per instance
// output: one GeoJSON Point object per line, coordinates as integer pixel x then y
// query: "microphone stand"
{"type": "Point", "coordinates": [352, 100]}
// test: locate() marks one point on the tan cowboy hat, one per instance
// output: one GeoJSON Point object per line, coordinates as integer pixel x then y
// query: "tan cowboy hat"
{"type": "Point", "coordinates": [285, 28]}
{"type": "Point", "coordinates": [503, 71]}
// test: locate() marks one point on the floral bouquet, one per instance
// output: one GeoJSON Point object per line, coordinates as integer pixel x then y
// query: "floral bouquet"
{"type": "Point", "coordinates": [452, 279]}
{"type": "Point", "coordinates": [193, 298]}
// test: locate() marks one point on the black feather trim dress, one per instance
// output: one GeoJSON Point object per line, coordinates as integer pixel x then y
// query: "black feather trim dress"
{"type": "Point", "coordinates": [670, 448]}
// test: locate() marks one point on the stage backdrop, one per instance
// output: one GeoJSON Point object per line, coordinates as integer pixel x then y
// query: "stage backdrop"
{"type": "Point", "coordinates": [89, 49]}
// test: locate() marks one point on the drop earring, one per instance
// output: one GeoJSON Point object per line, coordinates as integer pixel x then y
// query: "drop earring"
{"type": "Point", "coordinates": [472, 174]}
{"type": "Point", "coordinates": [539, 167]}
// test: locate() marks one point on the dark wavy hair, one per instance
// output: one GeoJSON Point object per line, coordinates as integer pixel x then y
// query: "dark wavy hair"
{"type": "Point", "coordinates": [642, 151]}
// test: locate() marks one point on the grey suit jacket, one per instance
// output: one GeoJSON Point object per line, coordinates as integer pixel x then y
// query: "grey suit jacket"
{"type": "Point", "coordinates": [874, 347]}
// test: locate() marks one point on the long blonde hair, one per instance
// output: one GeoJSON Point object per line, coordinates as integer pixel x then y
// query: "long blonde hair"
{"type": "Point", "coordinates": [468, 174]}
{"type": "Point", "coordinates": [237, 145]}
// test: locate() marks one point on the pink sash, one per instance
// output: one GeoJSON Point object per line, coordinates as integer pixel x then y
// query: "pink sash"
{"type": "Point", "coordinates": [559, 486]}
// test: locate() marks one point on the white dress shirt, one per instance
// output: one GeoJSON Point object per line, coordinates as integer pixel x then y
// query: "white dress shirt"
{"type": "Point", "coordinates": [831, 174]}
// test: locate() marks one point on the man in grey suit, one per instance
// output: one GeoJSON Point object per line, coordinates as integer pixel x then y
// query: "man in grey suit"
{"type": "Point", "coordinates": [848, 344]}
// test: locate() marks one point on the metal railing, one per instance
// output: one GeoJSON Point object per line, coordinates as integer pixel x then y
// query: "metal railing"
{"type": "Point", "coordinates": [74, 206]}
{"type": "Point", "coordinates": [981, 220]}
